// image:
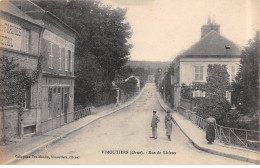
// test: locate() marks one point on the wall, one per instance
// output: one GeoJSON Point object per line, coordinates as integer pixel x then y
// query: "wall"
{"type": "Point", "coordinates": [11, 122]}
{"type": "Point", "coordinates": [187, 67]}
{"type": "Point", "coordinates": [27, 60]}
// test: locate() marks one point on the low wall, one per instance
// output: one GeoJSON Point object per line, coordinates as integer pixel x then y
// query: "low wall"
{"type": "Point", "coordinates": [11, 122]}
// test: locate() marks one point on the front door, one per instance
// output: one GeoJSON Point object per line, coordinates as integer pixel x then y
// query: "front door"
{"type": "Point", "coordinates": [66, 104]}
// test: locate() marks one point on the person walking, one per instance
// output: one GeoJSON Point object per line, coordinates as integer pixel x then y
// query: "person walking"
{"type": "Point", "coordinates": [168, 124]}
{"type": "Point", "coordinates": [155, 121]}
{"type": "Point", "coordinates": [210, 132]}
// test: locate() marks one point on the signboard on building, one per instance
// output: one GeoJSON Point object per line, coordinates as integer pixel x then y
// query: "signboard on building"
{"type": "Point", "coordinates": [10, 35]}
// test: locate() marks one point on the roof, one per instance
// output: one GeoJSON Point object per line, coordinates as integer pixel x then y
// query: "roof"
{"type": "Point", "coordinates": [36, 9]}
{"type": "Point", "coordinates": [13, 10]}
{"type": "Point", "coordinates": [213, 44]}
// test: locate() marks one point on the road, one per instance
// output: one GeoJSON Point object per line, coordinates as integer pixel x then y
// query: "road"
{"type": "Point", "coordinates": [127, 130]}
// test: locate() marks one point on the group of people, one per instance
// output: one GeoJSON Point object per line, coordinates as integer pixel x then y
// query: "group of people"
{"type": "Point", "coordinates": [168, 124]}
{"type": "Point", "coordinates": [210, 131]}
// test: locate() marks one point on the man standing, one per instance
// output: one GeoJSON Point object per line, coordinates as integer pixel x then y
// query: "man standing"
{"type": "Point", "coordinates": [154, 122]}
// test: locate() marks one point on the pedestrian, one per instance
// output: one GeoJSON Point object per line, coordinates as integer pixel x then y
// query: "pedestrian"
{"type": "Point", "coordinates": [155, 121]}
{"type": "Point", "coordinates": [168, 124]}
{"type": "Point", "coordinates": [210, 132]}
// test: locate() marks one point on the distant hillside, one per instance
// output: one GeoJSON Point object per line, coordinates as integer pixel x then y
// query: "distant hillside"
{"type": "Point", "coordinates": [153, 65]}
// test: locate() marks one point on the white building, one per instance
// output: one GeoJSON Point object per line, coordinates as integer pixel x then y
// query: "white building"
{"type": "Point", "coordinates": [191, 65]}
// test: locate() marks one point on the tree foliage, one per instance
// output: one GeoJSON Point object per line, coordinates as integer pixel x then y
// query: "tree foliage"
{"type": "Point", "coordinates": [245, 88]}
{"type": "Point", "coordinates": [14, 80]}
{"type": "Point", "coordinates": [186, 92]}
{"type": "Point", "coordinates": [102, 45]}
{"type": "Point", "coordinates": [129, 87]}
{"type": "Point", "coordinates": [215, 103]}
{"type": "Point", "coordinates": [13, 84]}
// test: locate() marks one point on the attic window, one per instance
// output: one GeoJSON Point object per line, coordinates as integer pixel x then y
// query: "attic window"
{"type": "Point", "coordinates": [227, 47]}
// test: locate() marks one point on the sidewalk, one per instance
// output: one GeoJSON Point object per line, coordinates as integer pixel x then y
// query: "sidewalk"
{"type": "Point", "coordinates": [30, 145]}
{"type": "Point", "coordinates": [197, 137]}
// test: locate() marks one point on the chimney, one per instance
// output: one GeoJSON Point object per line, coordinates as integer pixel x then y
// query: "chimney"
{"type": "Point", "coordinates": [205, 29]}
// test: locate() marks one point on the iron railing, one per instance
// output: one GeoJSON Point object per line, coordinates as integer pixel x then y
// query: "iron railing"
{"type": "Point", "coordinates": [82, 113]}
{"type": "Point", "coordinates": [230, 136]}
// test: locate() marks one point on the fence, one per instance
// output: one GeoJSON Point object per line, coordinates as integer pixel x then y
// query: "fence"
{"type": "Point", "coordinates": [231, 136]}
{"type": "Point", "coordinates": [82, 113]}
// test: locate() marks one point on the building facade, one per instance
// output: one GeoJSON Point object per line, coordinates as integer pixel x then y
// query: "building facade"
{"type": "Point", "coordinates": [191, 65]}
{"type": "Point", "coordinates": [20, 40]}
{"type": "Point", "coordinates": [39, 35]}
{"type": "Point", "coordinates": [57, 48]}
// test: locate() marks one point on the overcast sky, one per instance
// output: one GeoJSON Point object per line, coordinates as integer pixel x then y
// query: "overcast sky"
{"type": "Point", "coordinates": [164, 28]}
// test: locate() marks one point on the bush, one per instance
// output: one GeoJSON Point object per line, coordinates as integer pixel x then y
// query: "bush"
{"type": "Point", "coordinates": [104, 98]}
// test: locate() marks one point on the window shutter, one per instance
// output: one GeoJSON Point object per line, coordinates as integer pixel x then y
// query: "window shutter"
{"type": "Point", "coordinates": [201, 73]}
{"type": "Point", "coordinates": [66, 62]}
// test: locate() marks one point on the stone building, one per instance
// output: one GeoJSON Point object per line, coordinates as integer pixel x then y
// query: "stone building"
{"type": "Point", "coordinates": [20, 40]}
{"type": "Point", "coordinates": [38, 33]}
{"type": "Point", "coordinates": [57, 46]}
{"type": "Point", "coordinates": [191, 65]}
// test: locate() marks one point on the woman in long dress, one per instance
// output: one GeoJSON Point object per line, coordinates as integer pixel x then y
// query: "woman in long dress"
{"type": "Point", "coordinates": [210, 132]}
{"type": "Point", "coordinates": [168, 124]}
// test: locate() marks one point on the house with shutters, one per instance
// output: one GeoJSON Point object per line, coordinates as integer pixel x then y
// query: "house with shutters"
{"type": "Point", "coordinates": [45, 35]}
{"type": "Point", "coordinates": [190, 67]}
{"type": "Point", "coordinates": [57, 47]}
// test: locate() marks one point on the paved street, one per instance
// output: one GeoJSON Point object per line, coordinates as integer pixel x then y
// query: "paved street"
{"type": "Point", "coordinates": [127, 130]}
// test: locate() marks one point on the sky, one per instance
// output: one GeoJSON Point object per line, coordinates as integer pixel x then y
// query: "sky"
{"type": "Point", "coordinates": [162, 29]}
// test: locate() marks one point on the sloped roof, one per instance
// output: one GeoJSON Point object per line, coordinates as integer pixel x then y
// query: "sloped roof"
{"type": "Point", "coordinates": [13, 10]}
{"type": "Point", "coordinates": [213, 44]}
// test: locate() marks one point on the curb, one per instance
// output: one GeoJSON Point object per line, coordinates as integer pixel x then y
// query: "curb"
{"type": "Point", "coordinates": [38, 148]}
{"type": "Point", "coordinates": [236, 157]}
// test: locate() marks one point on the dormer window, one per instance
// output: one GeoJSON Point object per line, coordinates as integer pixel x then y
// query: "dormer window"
{"type": "Point", "coordinates": [227, 47]}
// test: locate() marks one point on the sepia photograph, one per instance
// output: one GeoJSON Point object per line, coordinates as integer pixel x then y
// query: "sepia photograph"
{"type": "Point", "coordinates": [129, 82]}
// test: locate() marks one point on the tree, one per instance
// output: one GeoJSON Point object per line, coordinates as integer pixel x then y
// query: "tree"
{"type": "Point", "coordinates": [157, 76]}
{"type": "Point", "coordinates": [215, 102]}
{"type": "Point", "coordinates": [102, 46]}
{"type": "Point", "coordinates": [129, 87]}
{"type": "Point", "coordinates": [186, 92]}
{"type": "Point", "coordinates": [245, 87]}
{"type": "Point", "coordinates": [142, 74]}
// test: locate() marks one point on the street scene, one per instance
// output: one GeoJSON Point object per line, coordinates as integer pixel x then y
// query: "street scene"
{"type": "Point", "coordinates": [129, 82]}
{"type": "Point", "coordinates": [103, 135]}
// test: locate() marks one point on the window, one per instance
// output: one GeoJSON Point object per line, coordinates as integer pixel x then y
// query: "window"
{"type": "Point", "coordinates": [233, 73]}
{"type": "Point", "coordinates": [198, 73]}
{"type": "Point", "coordinates": [198, 93]}
{"type": "Point", "coordinates": [60, 58]}
{"type": "Point", "coordinates": [27, 103]}
{"type": "Point", "coordinates": [25, 40]}
{"type": "Point", "coordinates": [68, 61]}
{"type": "Point", "coordinates": [50, 48]}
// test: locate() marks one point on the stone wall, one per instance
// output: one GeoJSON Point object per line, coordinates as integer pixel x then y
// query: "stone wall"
{"type": "Point", "coordinates": [11, 124]}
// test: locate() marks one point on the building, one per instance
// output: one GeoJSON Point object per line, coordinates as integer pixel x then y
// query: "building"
{"type": "Point", "coordinates": [191, 65]}
{"type": "Point", "coordinates": [40, 34]}
{"type": "Point", "coordinates": [57, 47]}
{"type": "Point", "coordinates": [20, 40]}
